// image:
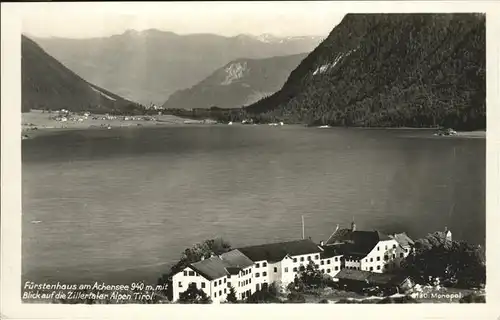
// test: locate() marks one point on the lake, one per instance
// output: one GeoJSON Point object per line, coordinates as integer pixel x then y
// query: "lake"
{"type": "Point", "coordinates": [120, 205]}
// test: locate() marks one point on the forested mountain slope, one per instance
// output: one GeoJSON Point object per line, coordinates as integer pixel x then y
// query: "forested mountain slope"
{"type": "Point", "coordinates": [47, 84]}
{"type": "Point", "coordinates": [416, 70]}
{"type": "Point", "coordinates": [148, 66]}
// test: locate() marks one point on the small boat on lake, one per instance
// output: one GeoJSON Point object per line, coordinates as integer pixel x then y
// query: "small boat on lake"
{"type": "Point", "coordinates": [446, 132]}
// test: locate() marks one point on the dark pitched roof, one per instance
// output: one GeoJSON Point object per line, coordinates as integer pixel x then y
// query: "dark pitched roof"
{"type": "Point", "coordinates": [403, 239]}
{"type": "Point", "coordinates": [386, 278]}
{"type": "Point", "coordinates": [330, 251]}
{"type": "Point", "coordinates": [356, 243]}
{"type": "Point", "coordinates": [368, 277]}
{"type": "Point", "coordinates": [211, 268]}
{"type": "Point", "coordinates": [338, 235]}
{"type": "Point", "coordinates": [236, 258]}
{"type": "Point", "coordinates": [349, 274]}
{"type": "Point", "coordinates": [218, 266]}
{"type": "Point", "coordinates": [277, 251]}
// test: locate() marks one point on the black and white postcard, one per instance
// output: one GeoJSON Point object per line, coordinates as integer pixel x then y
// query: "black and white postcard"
{"type": "Point", "coordinates": [246, 153]}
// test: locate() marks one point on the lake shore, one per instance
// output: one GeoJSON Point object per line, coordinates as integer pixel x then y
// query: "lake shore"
{"type": "Point", "coordinates": [37, 123]}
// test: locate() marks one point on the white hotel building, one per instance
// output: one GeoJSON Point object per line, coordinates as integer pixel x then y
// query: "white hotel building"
{"type": "Point", "coordinates": [252, 268]}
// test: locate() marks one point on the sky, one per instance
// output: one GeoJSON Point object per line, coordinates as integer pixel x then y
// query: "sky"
{"type": "Point", "coordinates": [84, 20]}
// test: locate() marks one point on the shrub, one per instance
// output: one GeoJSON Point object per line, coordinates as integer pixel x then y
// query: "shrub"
{"type": "Point", "coordinates": [296, 297]}
{"type": "Point", "coordinates": [473, 298]}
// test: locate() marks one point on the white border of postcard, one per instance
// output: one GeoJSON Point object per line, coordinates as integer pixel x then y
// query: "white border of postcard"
{"type": "Point", "coordinates": [10, 295]}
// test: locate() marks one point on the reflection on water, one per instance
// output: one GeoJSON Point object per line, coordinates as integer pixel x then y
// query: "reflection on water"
{"type": "Point", "coordinates": [118, 205]}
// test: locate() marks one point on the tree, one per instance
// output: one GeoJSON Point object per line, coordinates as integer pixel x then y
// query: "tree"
{"type": "Point", "coordinates": [193, 295]}
{"type": "Point", "coordinates": [195, 253]}
{"type": "Point", "coordinates": [265, 295]}
{"type": "Point", "coordinates": [456, 263]}
{"type": "Point", "coordinates": [310, 277]}
{"type": "Point", "coordinates": [231, 296]}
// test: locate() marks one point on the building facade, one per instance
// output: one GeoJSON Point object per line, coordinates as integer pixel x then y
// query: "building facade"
{"type": "Point", "coordinates": [253, 268]}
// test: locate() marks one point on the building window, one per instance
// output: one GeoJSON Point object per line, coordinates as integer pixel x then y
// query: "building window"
{"type": "Point", "coordinates": [224, 280]}
{"type": "Point", "coordinates": [215, 284]}
{"type": "Point", "coordinates": [378, 267]}
{"type": "Point", "coordinates": [220, 281]}
{"type": "Point", "coordinates": [257, 275]}
{"type": "Point", "coordinates": [378, 248]}
{"type": "Point", "coordinates": [264, 264]}
{"type": "Point", "coordinates": [224, 291]}
{"type": "Point", "coordinates": [185, 273]}
{"type": "Point", "coordinates": [301, 258]}
{"type": "Point", "coordinates": [378, 258]}
{"type": "Point", "coordinates": [275, 269]}
{"type": "Point", "coordinates": [229, 284]}
{"type": "Point", "coordinates": [394, 246]}
{"type": "Point", "coordinates": [215, 294]}
{"type": "Point", "coordinates": [286, 269]}
{"type": "Point", "coordinates": [401, 255]}
{"type": "Point", "coordinates": [386, 257]}
{"type": "Point", "coordinates": [322, 262]}
{"type": "Point", "coordinates": [294, 259]}
{"type": "Point", "coordinates": [203, 284]}
{"type": "Point", "coordinates": [328, 270]}
{"type": "Point", "coordinates": [371, 268]}
{"type": "Point", "coordinates": [336, 268]}
{"type": "Point", "coordinates": [317, 265]}
{"type": "Point", "coordinates": [302, 268]}
{"type": "Point", "coordinates": [295, 269]}
{"type": "Point", "coordinates": [336, 259]}
{"type": "Point", "coordinates": [191, 273]}
{"type": "Point", "coordinates": [309, 258]}
{"type": "Point", "coordinates": [180, 284]}
{"type": "Point", "coordinates": [371, 259]}
{"type": "Point", "coordinates": [250, 280]}
{"type": "Point", "coordinates": [257, 265]}
{"type": "Point", "coordinates": [264, 274]}
{"type": "Point", "coordinates": [328, 261]}
{"type": "Point", "coordinates": [386, 266]}
{"type": "Point", "coordinates": [316, 257]}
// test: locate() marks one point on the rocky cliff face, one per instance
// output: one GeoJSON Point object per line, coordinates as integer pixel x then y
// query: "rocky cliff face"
{"type": "Point", "coordinates": [415, 70]}
{"type": "Point", "coordinates": [148, 66]}
{"type": "Point", "coordinates": [240, 82]}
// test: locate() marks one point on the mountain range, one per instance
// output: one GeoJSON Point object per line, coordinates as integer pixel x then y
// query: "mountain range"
{"type": "Point", "coordinates": [415, 70]}
{"type": "Point", "coordinates": [148, 66]}
{"type": "Point", "coordinates": [240, 82]}
{"type": "Point", "coordinates": [48, 84]}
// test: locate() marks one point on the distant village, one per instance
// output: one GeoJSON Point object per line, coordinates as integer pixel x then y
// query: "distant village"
{"type": "Point", "coordinates": [356, 260]}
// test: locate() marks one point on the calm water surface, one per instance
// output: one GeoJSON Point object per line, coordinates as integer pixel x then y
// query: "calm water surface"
{"type": "Point", "coordinates": [119, 205]}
